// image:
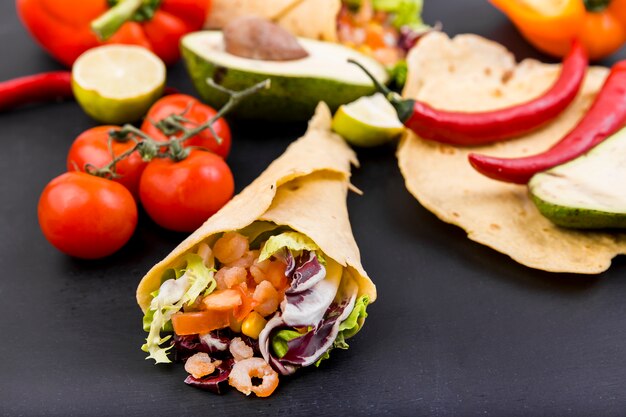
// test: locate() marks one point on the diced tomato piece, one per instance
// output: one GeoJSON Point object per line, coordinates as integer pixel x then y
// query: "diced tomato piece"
{"type": "Point", "coordinates": [199, 322]}
{"type": "Point", "coordinates": [224, 300]}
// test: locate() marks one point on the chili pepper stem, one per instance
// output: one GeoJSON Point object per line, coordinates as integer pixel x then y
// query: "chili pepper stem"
{"type": "Point", "coordinates": [404, 108]}
{"type": "Point", "coordinates": [106, 25]}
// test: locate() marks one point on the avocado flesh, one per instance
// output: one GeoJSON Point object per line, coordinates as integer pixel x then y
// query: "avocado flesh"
{"type": "Point", "coordinates": [588, 192]}
{"type": "Point", "coordinates": [296, 86]}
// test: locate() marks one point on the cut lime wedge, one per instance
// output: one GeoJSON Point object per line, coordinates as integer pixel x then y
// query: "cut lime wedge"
{"type": "Point", "coordinates": [368, 121]}
{"type": "Point", "coordinates": [117, 84]}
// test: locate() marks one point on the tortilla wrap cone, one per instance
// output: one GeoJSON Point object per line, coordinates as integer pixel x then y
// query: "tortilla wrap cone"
{"type": "Point", "coordinates": [305, 189]}
{"type": "Point", "coordinates": [470, 73]}
{"type": "Point", "coordinates": [315, 19]}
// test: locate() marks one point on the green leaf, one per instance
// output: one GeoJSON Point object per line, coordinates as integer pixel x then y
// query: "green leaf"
{"type": "Point", "coordinates": [351, 326]}
{"type": "Point", "coordinates": [196, 279]}
{"type": "Point", "coordinates": [280, 340]}
{"type": "Point", "coordinates": [294, 241]}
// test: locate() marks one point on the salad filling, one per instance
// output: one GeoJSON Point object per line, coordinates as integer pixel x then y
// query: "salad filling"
{"type": "Point", "coordinates": [383, 29]}
{"type": "Point", "coordinates": [251, 305]}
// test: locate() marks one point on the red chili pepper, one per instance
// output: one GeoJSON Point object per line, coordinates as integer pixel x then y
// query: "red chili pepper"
{"type": "Point", "coordinates": [459, 128]}
{"type": "Point", "coordinates": [46, 86]}
{"type": "Point", "coordinates": [606, 116]}
{"type": "Point", "coordinates": [63, 27]}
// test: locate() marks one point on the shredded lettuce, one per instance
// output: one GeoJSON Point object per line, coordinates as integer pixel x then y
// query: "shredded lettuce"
{"type": "Point", "coordinates": [405, 12]}
{"type": "Point", "coordinates": [294, 241]}
{"type": "Point", "coordinates": [348, 328]}
{"type": "Point", "coordinates": [191, 281]}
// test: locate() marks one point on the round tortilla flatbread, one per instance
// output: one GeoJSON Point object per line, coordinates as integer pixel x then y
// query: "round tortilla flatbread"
{"type": "Point", "coordinates": [470, 73]}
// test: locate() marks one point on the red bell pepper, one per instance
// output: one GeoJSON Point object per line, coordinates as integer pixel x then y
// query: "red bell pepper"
{"type": "Point", "coordinates": [64, 27]}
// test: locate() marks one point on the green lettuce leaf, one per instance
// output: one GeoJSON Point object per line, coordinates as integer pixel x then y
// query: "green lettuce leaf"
{"type": "Point", "coordinates": [174, 293]}
{"type": "Point", "coordinates": [294, 241]}
{"type": "Point", "coordinates": [351, 326]}
{"type": "Point", "coordinates": [405, 12]}
{"type": "Point", "coordinates": [280, 339]}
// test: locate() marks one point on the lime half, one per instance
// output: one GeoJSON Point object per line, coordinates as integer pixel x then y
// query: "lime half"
{"type": "Point", "coordinates": [368, 121]}
{"type": "Point", "coordinates": [117, 84]}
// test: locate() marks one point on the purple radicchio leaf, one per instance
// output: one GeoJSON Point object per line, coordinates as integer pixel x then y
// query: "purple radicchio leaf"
{"type": "Point", "coordinates": [305, 350]}
{"type": "Point", "coordinates": [302, 308]}
{"type": "Point", "coordinates": [216, 384]}
{"type": "Point", "coordinates": [276, 323]}
{"type": "Point", "coordinates": [307, 272]}
{"type": "Point", "coordinates": [290, 261]}
{"type": "Point", "coordinates": [214, 343]}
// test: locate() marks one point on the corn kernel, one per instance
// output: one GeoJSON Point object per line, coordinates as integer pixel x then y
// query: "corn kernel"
{"type": "Point", "coordinates": [253, 324]}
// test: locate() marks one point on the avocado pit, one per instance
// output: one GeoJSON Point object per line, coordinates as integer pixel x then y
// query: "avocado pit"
{"type": "Point", "coordinates": [256, 38]}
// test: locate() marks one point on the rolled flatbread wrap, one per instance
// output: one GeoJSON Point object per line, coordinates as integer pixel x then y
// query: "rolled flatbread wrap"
{"type": "Point", "coordinates": [273, 279]}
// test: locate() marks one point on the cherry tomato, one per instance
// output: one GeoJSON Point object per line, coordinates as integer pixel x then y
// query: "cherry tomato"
{"type": "Point", "coordinates": [196, 112]}
{"type": "Point", "coordinates": [181, 195]}
{"type": "Point", "coordinates": [92, 147]}
{"type": "Point", "coordinates": [86, 216]}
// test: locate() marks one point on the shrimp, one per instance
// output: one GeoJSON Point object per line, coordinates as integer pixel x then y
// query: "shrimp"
{"type": "Point", "coordinates": [230, 247]}
{"type": "Point", "coordinates": [200, 365]}
{"type": "Point", "coordinates": [266, 298]}
{"type": "Point", "coordinates": [258, 270]}
{"type": "Point", "coordinates": [240, 350]}
{"type": "Point", "coordinates": [243, 372]}
{"type": "Point", "coordinates": [228, 277]}
{"type": "Point", "coordinates": [247, 260]}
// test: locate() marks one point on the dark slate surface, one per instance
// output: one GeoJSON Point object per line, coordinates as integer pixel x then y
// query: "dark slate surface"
{"type": "Point", "coordinates": [458, 329]}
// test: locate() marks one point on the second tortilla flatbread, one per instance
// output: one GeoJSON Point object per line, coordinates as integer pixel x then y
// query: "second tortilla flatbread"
{"type": "Point", "coordinates": [470, 73]}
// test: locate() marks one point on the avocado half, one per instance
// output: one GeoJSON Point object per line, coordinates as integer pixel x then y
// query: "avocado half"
{"type": "Point", "coordinates": [296, 86]}
{"type": "Point", "coordinates": [588, 192]}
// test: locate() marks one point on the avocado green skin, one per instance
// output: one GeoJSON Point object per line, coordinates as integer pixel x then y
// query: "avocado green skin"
{"type": "Point", "coordinates": [579, 218]}
{"type": "Point", "coordinates": [287, 99]}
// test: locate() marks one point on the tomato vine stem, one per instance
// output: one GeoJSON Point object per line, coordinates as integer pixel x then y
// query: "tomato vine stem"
{"type": "Point", "coordinates": [173, 148]}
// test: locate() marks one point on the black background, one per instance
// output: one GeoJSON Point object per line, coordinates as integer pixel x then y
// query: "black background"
{"type": "Point", "coordinates": [458, 329]}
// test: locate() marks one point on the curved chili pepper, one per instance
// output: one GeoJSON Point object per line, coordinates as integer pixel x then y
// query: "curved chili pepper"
{"type": "Point", "coordinates": [599, 24]}
{"type": "Point", "coordinates": [606, 116]}
{"type": "Point", "coordinates": [466, 129]}
{"type": "Point", "coordinates": [62, 27]}
{"type": "Point", "coordinates": [46, 86]}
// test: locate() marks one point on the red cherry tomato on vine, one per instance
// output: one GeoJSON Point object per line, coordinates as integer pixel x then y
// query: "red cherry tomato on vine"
{"type": "Point", "coordinates": [181, 195]}
{"type": "Point", "coordinates": [92, 147]}
{"type": "Point", "coordinates": [197, 113]}
{"type": "Point", "coordinates": [86, 216]}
